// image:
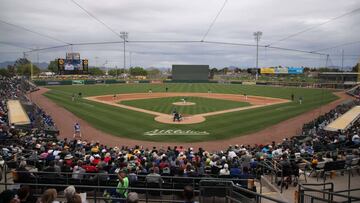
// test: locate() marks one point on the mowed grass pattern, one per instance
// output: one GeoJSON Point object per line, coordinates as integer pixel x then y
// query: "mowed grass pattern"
{"type": "Point", "coordinates": [131, 124]}
{"type": "Point", "coordinates": [202, 105]}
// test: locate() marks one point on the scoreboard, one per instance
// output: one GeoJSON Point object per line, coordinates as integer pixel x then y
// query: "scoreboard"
{"type": "Point", "coordinates": [190, 72]}
{"type": "Point", "coordinates": [72, 64]}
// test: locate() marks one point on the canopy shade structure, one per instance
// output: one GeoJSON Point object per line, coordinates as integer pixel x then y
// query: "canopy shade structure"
{"type": "Point", "coordinates": [344, 121]}
{"type": "Point", "coordinates": [17, 114]}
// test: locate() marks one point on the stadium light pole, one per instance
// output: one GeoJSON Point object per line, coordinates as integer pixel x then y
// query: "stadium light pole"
{"type": "Point", "coordinates": [130, 59]}
{"type": "Point", "coordinates": [257, 36]}
{"type": "Point", "coordinates": [342, 60]}
{"type": "Point", "coordinates": [124, 36]}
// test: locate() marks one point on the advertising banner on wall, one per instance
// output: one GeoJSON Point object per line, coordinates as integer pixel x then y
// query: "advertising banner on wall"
{"type": "Point", "coordinates": [267, 71]}
{"type": "Point", "coordinates": [295, 70]}
{"type": "Point", "coordinates": [281, 70]}
{"type": "Point", "coordinates": [78, 82]}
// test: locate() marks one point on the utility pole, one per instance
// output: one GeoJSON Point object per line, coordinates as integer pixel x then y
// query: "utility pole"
{"type": "Point", "coordinates": [31, 66]}
{"type": "Point", "coordinates": [32, 71]}
{"type": "Point", "coordinates": [38, 63]}
{"type": "Point", "coordinates": [327, 60]}
{"type": "Point", "coordinates": [257, 36]}
{"type": "Point", "coordinates": [130, 59]}
{"type": "Point", "coordinates": [342, 60]}
{"type": "Point", "coordinates": [124, 36]}
{"type": "Point", "coordinates": [96, 60]}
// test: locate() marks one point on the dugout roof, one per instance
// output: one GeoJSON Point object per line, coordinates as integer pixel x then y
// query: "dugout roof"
{"type": "Point", "coordinates": [16, 113]}
{"type": "Point", "coordinates": [345, 120]}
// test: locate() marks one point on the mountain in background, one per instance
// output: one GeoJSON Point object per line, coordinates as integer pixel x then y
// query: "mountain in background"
{"type": "Point", "coordinates": [42, 65]}
{"type": "Point", "coordinates": [346, 68]}
{"type": "Point", "coordinates": [6, 63]}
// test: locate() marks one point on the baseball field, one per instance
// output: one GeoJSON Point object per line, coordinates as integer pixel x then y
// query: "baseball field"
{"type": "Point", "coordinates": [227, 112]}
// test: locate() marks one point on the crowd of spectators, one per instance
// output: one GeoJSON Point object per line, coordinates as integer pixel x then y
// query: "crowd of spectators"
{"type": "Point", "coordinates": [34, 150]}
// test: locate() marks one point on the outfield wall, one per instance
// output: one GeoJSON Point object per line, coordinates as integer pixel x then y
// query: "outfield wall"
{"type": "Point", "coordinates": [266, 83]}
{"type": "Point", "coordinates": [75, 82]}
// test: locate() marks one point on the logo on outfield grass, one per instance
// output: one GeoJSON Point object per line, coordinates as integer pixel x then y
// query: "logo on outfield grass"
{"type": "Point", "coordinates": [175, 132]}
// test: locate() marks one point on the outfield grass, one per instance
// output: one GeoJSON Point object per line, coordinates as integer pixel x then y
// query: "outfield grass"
{"type": "Point", "coordinates": [202, 105]}
{"type": "Point", "coordinates": [131, 124]}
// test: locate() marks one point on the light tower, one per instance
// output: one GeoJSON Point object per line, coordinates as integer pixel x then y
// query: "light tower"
{"type": "Point", "coordinates": [124, 36]}
{"type": "Point", "coordinates": [257, 36]}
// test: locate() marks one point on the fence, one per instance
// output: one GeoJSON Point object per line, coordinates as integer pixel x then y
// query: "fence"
{"type": "Point", "coordinates": [324, 192]}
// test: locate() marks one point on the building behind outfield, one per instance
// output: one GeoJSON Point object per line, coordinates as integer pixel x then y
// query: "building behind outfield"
{"type": "Point", "coordinates": [190, 73]}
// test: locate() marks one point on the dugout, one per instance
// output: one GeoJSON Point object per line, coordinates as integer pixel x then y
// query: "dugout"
{"type": "Point", "coordinates": [190, 73]}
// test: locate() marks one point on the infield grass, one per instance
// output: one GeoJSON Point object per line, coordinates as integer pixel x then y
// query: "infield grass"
{"type": "Point", "coordinates": [131, 124]}
{"type": "Point", "coordinates": [202, 105]}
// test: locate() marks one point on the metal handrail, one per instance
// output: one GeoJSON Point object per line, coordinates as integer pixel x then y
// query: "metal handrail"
{"type": "Point", "coordinates": [138, 175]}
{"type": "Point", "coordinates": [331, 194]}
{"type": "Point", "coordinates": [257, 195]}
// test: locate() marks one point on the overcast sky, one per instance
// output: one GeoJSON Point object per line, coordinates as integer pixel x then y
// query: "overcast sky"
{"type": "Point", "coordinates": [183, 20]}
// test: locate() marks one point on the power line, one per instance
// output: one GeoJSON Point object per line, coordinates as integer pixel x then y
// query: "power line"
{"type": "Point", "coordinates": [97, 43]}
{"type": "Point", "coordinates": [296, 50]}
{"type": "Point", "coordinates": [213, 22]}
{"type": "Point", "coordinates": [339, 45]}
{"type": "Point", "coordinates": [108, 42]}
{"type": "Point", "coordinates": [231, 43]}
{"type": "Point", "coordinates": [47, 48]}
{"type": "Point", "coordinates": [254, 45]}
{"type": "Point", "coordinates": [181, 42]}
{"type": "Point", "coordinates": [14, 45]}
{"type": "Point", "coordinates": [163, 41]}
{"type": "Point", "coordinates": [34, 32]}
{"type": "Point", "coordinates": [315, 26]}
{"type": "Point", "coordinates": [97, 19]}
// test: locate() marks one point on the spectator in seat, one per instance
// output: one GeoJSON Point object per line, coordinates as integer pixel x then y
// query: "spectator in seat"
{"type": "Point", "coordinates": [350, 155]}
{"type": "Point", "coordinates": [75, 199]}
{"type": "Point", "coordinates": [328, 157]}
{"type": "Point", "coordinates": [48, 196]}
{"type": "Point", "coordinates": [225, 170]}
{"type": "Point", "coordinates": [154, 176]}
{"type": "Point", "coordinates": [8, 196]}
{"type": "Point", "coordinates": [132, 175]}
{"type": "Point", "coordinates": [123, 185]}
{"type": "Point", "coordinates": [286, 169]}
{"type": "Point", "coordinates": [188, 194]}
{"type": "Point", "coordinates": [78, 171]}
{"type": "Point", "coordinates": [23, 174]}
{"type": "Point", "coordinates": [355, 139]}
{"type": "Point", "coordinates": [25, 195]}
{"type": "Point", "coordinates": [235, 171]}
{"type": "Point", "coordinates": [69, 193]}
{"type": "Point", "coordinates": [133, 197]}
{"type": "Point", "coordinates": [245, 174]}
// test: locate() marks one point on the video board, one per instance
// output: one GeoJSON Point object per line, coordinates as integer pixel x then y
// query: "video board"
{"type": "Point", "coordinates": [72, 64]}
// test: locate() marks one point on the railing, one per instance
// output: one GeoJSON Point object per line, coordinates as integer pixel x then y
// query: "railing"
{"type": "Point", "coordinates": [208, 189]}
{"type": "Point", "coordinates": [171, 186]}
{"type": "Point", "coordinates": [324, 192]}
{"type": "Point", "coordinates": [205, 188]}
{"type": "Point", "coordinates": [241, 195]}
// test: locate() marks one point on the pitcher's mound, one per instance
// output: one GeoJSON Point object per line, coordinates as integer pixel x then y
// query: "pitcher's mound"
{"type": "Point", "coordinates": [183, 103]}
{"type": "Point", "coordinates": [187, 119]}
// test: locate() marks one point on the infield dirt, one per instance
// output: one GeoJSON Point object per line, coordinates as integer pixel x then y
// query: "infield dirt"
{"type": "Point", "coordinates": [255, 101]}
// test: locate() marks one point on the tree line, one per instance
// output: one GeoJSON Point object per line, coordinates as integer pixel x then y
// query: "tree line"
{"type": "Point", "coordinates": [22, 66]}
